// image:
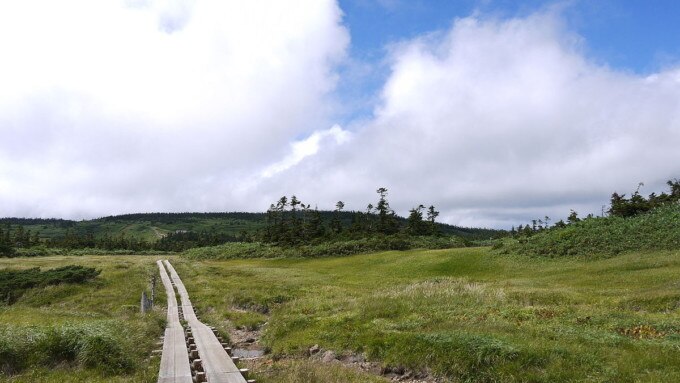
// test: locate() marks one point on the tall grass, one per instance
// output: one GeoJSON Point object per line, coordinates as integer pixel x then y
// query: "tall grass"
{"type": "Point", "coordinates": [86, 332]}
{"type": "Point", "coordinates": [100, 346]}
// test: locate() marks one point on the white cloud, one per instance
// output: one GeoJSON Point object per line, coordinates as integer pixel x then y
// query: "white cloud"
{"type": "Point", "coordinates": [500, 121]}
{"type": "Point", "coordinates": [143, 105]}
{"type": "Point", "coordinates": [155, 105]}
{"type": "Point", "coordinates": [305, 148]}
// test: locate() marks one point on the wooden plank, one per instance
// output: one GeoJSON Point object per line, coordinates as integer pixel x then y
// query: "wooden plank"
{"type": "Point", "coordinates": [217, 364]}
{"type": "Point", "coordinates": [175, 359]}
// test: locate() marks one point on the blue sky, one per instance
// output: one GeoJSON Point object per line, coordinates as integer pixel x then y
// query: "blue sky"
{"type": "Point", "coordinates": [636, 35]}
{"type": "Point", "coordinates": [630, 35]}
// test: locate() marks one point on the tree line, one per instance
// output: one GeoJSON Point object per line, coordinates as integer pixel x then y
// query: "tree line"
{"type": "Point", "coordinates": [12, 237]}
{"type": "Point", "coordinates": [619, 206]}
{"type": "Point", "coordinates": [292, 222]}
{"type": "Point", "coordinates": [17, 237]}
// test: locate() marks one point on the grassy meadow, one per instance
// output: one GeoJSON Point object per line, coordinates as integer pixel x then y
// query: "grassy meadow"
{"type": "Point", "coordinates": [89, 332]}
{"type": "Point", "coordinates": [464, 315]}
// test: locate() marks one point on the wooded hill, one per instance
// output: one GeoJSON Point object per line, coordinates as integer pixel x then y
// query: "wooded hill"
{"type": "Point", "coordinates": [152, 226]}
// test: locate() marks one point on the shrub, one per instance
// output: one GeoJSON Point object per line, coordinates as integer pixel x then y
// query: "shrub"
{"type": "Point", "coordinates": [324, 249]}
{"type": "Point", "coordinates": [605, 236]}
{"type": "Point", "coordinates": [101, 346]}
{"type": "Point", "coordinates": [13, 283]}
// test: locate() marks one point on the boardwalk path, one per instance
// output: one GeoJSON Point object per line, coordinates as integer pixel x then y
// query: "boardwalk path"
{"type": "Point", "coordinates": [216, 363]}
{"type": "Point", "coordinates": [175, 360]}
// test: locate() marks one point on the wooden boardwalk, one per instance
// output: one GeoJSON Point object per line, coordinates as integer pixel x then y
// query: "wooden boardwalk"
{"type": "Point", "coordinates": [216, 363]}
{"type": "Point", "coordinates": [175, 359]}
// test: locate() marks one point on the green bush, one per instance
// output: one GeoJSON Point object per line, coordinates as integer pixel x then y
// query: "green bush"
{"type": "Point", "coordinates": [324, 249]}
{"type": "Point", "coordinates": [13, 283]}
{"type": "Point", "coordinates": [658, 229]}
{"type": "Point", "coordinates": [101, 347]}
{"type": "Point", "coordinates": [104, 351]}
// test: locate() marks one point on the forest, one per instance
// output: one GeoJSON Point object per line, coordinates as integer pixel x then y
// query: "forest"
{"type": "Point", "coordinates": [287, 223]}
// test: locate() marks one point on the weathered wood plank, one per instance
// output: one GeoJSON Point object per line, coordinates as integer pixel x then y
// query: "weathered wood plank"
{"type": "Point", "coordinates": [175, 359]}
{"type": "Point", "coordinates": [217, 364]}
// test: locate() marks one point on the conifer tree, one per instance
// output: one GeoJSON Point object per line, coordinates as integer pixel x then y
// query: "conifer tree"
{"type": "Point", "coordinates": [432, 215]}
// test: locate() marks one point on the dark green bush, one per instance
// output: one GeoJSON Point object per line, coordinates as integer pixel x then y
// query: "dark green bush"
{"type": "Point", "coordinates": [13, 283]}
{"type": "Point", "coordinates": [324, 249]}
{"type": "Point", "coordinates": [658, 229]}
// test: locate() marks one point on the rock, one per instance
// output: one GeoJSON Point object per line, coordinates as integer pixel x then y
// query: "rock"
{"type": "Point", "coordinates": [328, 356]}
{"type": "Point", "coordinates": [314, 349]}
{"type": "Point", "coordinates": [355, 358]}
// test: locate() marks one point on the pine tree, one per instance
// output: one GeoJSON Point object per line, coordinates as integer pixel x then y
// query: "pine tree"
{"type": "Point", "coordinates": [336, 224]}
{"type": "Point", "coordinates": [432, 215]}
{"type": "Point", "coordinates": [415, 224]}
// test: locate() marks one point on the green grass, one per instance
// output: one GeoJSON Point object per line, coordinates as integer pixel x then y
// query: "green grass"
{"type": "Point", "coordinates": [465, 314]}
{"type": "Point", "coordinates": [13, 283]}
{"type": "Point", "coordinates": [658, 229]}
{"type": "Point", "coordinates": [341, 247]}
{"type": "Point", "coordinates": [90, 332]}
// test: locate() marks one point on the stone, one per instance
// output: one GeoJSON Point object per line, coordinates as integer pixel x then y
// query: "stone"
{"type": "Point", "coordinates": [314, 349]}
{"type": "Point", "coordinates": [328, 356]}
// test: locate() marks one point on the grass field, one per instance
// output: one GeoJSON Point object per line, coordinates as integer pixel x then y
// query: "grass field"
{"type": "Point", "coordinates": [82, 333]}
{"type": "Point", "coordinates": [464, 314]}
{"type": "Point", "coordinates": [467, 315]}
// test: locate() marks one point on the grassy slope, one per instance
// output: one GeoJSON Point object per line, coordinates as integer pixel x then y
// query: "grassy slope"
{"type": "Point", "coordinates": [464, 313]}
{"type": "Point", "coordinates": [656, 230]}
{"type": "Point", "coordinates": [108, 305]}
{"type": "Point", "coordinates": [143, 228]}
{"type": "Point", "coordinates": [147, 226]}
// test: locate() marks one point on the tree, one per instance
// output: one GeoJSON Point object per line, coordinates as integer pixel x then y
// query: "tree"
{"type": "Point", "coordinates": [573, 217]}
{"type": "Point", "coordinates": [432, 215]}
{"type": "Point", "coordinates": [313, 224]}
{"type": "Point", "coordinates": [415, 224]}
{"type": "Point", "coordinates": [336, 224]}
{"type": "Point", "coordinates": [383, 208]}
{"type": "Point", "coordinates": [387, 220]}
{"type": "Point", "coordinates": [295, 224]}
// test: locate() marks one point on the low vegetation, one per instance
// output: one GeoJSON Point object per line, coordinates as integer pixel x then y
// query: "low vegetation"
{"type": "Point", "coordinates": [632, 224]}
{"type": "Point", "coordinates": [460, 314]}
{"type": "Point", "coordinates": [88, 331]}
{"type": "Point", "coordinates": [587, 300]}
{"type": "Point", "coordinates": [324, 249]}
{"type": "Point", "coordinates": [13, 283]}
{"type": "Point", "coordinates": [658, 229]}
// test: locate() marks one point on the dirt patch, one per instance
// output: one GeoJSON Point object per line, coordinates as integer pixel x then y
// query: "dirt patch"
{"type": "Point", "coordinates": [359, 362]}
{"type": "Point", "coordinates": [246, 345]}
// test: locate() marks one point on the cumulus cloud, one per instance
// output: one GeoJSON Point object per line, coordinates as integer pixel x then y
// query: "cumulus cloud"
{"type": "Point", "coordinates": [146, 105]}
{"type": "Point", "coordinates": [119, 106]}
{"type": "Point", "coordinates": [497, 121]}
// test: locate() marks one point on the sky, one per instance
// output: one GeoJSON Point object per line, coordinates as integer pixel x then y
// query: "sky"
{"type": "Point", "coordinates": [494, 111]}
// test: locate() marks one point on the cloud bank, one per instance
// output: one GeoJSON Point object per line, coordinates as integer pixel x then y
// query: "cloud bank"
{"type": "Point", "coordinates": [500, 121]}
{"type": "Point", "coordinates": [119, 106]}
{"type": "Point", "coordinates": [190, 106]}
